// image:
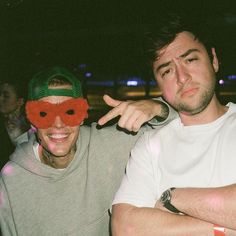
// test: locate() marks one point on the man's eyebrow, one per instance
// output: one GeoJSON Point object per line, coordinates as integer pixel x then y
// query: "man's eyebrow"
{"type": "Point", "coordinates": [162, 65]}
{"type": "Point", "coordinates": [181, 56]}
{"type": "Point", "coordinates": [189, 52]}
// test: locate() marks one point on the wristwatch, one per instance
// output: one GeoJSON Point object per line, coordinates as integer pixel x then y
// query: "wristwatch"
{"type": "Point", "coordinates": [165, 199]}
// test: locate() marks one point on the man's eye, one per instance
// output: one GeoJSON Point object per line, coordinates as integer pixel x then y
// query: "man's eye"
{"type": "Point", "coordinates": [166, 72]}
{"type": "Point", "coordinates": [70, 112]}
{"type": "Point", "coordinates": [42, 113]}
{"type": "Point", "coordinates": [191, 59]}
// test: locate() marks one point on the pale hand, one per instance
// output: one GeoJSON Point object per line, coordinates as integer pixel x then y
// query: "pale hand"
{"type": "Point", "coordinates": [133, 114]}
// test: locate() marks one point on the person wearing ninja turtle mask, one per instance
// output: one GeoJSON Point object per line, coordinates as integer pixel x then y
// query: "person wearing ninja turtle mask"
{"type": "Point", "coordinates": [62, 181]}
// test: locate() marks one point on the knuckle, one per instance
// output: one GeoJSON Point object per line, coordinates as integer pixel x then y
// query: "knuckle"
{"type": "Point", "coordinates": [121, 124]}
{"type": "Point", "coordinates": [136, 127]}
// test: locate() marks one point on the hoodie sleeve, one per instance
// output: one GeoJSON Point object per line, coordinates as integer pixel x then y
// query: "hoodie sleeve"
{"type": "Point", "coordinates": [7, 225]}
{"type": "Point", "coordinates": [171, 114]}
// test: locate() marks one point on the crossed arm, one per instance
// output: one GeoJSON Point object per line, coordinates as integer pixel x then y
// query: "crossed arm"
{"type": "Point", "coordinates": [215, 205]}
{"type": "Point", "coordinates": [137, 210]}
{"type": "Point", "coordinates": [203, 208]}
{"type": "Point", "coordinates": [131, 220]}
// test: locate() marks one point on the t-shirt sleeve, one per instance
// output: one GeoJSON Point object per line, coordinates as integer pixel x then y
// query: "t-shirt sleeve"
{"type": "Point", "coordinates": [139, 186]}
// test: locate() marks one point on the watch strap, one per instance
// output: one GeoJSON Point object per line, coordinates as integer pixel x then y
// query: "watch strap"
{"type": "Point", "coordinates": [169, 206]}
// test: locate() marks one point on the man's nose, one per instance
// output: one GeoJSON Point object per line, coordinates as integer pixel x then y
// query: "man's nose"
{"type": "Point", "coordinates": [58, 123]}
{"type": "Point", "coordinates": [182, 74]}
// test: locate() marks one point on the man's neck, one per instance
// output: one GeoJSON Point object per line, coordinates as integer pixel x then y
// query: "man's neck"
{"type": "Point", "coordinates": [212, 112]}
{"type": "Point", "coordinates": [54, 161]}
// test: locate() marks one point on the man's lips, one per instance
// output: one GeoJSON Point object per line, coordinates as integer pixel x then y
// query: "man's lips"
{"type": "Point", "coordinates": [189, 92]}
{"type": "Point", "coordinates": [58, 137]}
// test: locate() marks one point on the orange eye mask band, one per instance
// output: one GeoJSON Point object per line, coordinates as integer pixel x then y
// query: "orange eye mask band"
{"type": "Point", "coordinates": [43, 114]}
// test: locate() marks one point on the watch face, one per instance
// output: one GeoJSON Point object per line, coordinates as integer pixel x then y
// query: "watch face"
{"type": "Point", "coordinates": [165, 197]}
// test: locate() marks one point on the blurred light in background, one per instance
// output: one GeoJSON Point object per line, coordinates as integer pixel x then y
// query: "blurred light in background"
{"type": "Point", "coordinates": [221, 81]}
{"type": "Point", "coordinates": [132, 83]}
{"type": "Point", "coordinates": [232, 77]}
{"type": "Point", "coordinates": [88, 74]}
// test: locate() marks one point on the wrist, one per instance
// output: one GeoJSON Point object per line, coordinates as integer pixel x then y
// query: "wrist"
{"type": "Point", "coordinates": [166, 200]}
{"type": "Point", "coordinates": [218, 230]}
{"type": "Point", "coordinates": [161, 110]}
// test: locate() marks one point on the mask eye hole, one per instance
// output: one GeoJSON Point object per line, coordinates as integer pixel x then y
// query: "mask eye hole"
{"type": "Point", "coordinates": [42, 113]}
{"type": "Point", "coordinates": [70, 112]}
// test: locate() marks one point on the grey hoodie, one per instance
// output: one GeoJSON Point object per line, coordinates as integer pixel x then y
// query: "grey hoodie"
{"type": "Point", "coordinates": [36, 199]}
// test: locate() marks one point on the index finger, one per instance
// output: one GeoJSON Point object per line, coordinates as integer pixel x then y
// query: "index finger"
{"type": "Point", "coordinates": [109, 116]}
{"type": "Point", "coordinates": [111, 101]}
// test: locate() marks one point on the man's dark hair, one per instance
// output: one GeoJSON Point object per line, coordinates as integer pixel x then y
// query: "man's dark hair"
{"type": "Point", "coordinates": [17, 82]}
{"type": "Point", "coordinates": [58, 80]}
{"type": "Point", "coordinates": [167, 28]}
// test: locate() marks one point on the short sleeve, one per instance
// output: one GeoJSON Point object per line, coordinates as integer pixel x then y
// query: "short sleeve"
{"type": "Point", "coordinates": [139, 186]}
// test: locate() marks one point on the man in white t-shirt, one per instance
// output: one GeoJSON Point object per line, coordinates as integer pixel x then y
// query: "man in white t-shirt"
{"type": "Point", "coordinates": [181, 179]}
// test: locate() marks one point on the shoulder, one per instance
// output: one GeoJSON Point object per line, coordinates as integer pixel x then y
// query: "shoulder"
{"type": "Point", "coordinates": [152, 140]}
{"type": "Point", "coordinates": [94, 131]}
{"type": "Point", "coordinates": [232, 107]}
{"type": "Point", "coordinates": [163, 130]}
{"type": "Point", "coordinates": [110, 138]}
{"type": "Point", "coordinates": [230, 115]}
{"type": "Point", "coordinates": [111, 132]}
{"type": "Point", "coordinates": [8, 169]}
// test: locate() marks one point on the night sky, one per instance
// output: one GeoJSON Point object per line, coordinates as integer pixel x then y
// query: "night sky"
{"type": "Point", "coordinates": [106, 35]}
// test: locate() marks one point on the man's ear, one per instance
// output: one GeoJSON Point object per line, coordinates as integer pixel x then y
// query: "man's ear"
{"type": "Point", "coordinates": [215, 61]}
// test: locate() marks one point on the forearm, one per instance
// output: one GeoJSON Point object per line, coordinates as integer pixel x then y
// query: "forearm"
{"type": "Point", "coordinates": [215, 205]}
{"type": "Point", "coordinates": [129, 220]}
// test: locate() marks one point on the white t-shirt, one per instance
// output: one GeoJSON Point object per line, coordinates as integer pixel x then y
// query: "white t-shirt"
{"type": "Point", "coordinates": [180, 156]}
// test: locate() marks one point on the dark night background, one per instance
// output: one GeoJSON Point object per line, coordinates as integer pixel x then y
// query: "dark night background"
{"type": "Point", "coordinates": [101, 41]}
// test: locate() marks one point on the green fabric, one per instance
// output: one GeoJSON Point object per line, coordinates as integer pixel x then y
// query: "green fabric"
{"type": "Point", "coordinates": [38, 85]}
